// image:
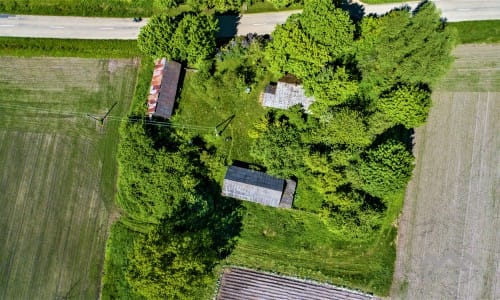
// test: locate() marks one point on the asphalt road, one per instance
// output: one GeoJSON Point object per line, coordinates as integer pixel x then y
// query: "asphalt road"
{"type": "Point", "coordinates": [125, 28]}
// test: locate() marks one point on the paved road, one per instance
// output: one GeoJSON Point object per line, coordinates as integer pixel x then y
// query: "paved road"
{"type": "Point", "coordinates": [119, 28]}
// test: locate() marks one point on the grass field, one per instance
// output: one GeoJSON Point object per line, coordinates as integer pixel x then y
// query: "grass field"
{"type": "Point", "coordinates": [58, 172]}
{"type": "Point", "coordinates": [448, 238]}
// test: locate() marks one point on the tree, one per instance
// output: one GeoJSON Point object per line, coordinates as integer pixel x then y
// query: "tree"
{"type": "Point", "coordinates": [384, 170]}
{"type": "Point", "coordinates": [186, 37]}
{"type": "Point", "coordinates": [407, 105]}
{"type": "Point", "coordinates": [401, 47]}
{"type": "Point", "coordinates": [171, 261]}
{"type": "Point", "coordinates": [154, 38]}
{"type": "Point", "coordinates": [328, 26]}
{"type": "Point", "coordinates": [293, 51]}
{"type": "Point", "coordinates": [331, 87]}
{"type": "Point", "coordinates": [340, 127]}
{"type": "Point", "coordinates": [145, 193]}
{"type": "Point", "coordinates": [278, 144]}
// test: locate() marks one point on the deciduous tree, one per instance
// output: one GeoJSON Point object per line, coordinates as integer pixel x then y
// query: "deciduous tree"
{"type": "Point", "coordinates": [406, 105]}
{"type": "Point", "coordinates": [401, 47]}
{"type": "Point", "coordinates": [384, 170]}
{"type": "Point", "coordinates": [186, 37]}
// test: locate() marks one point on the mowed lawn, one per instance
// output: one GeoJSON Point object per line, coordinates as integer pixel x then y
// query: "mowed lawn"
{"type": "Point", "coordinates": [58, 172]}
{"type": "Point", "coordinates": [448, 239]}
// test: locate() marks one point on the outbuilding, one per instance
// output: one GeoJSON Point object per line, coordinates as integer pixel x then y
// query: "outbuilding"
{"type": "Point", "coordinates": [258, 187]}
{"type": "Point", "coordinates": [163, 90]}
{"type": "Point", "coordinates": [285, 93]}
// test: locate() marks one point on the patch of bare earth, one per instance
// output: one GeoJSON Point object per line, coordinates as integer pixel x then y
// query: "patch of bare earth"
{"type": "Point", "coordinates": [449, 238]}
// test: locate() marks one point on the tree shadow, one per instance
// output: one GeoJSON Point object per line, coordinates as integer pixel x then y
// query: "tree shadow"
{"type": "Point", "coordinates": [398, 133]}
{"type": "Point", "coordinates": [228, 25]}
{"type": "Point", "coordinates": [355, 10]}
{"type": "Point", "coordinates": [246, 165]}
{"type": "Point", "coordinates": [217, 219]}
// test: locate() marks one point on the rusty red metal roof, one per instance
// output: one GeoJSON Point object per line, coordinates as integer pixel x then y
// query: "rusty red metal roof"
{"type": "Point", "coordinates": [163, 88]}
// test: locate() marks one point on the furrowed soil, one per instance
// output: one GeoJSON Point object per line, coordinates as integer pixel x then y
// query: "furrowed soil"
{"type": "Point", "coordinates": [449, 240]}
{"type": "Point", "coordinates": [58, 172]}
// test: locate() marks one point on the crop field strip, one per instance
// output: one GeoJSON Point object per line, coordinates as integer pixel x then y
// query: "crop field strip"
{"type": "Point", "coordinates": [448, 238]}
{"type": "Point", "coordinates": [57, 176]}
{"type": "Point", "coordinates": [238, 283]}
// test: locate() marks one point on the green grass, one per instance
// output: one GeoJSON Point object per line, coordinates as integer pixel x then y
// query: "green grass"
{"type": "Point", "coordinates": [380, 1]}
{"type": "Point", "coordinates": [29, 47]}
{"type": "Point", "coordinates": [109, 8]}
{"type": "Point", "coordinates": [477, 31]}
{"type": "Point", "coordinates": [265, 6]}
{"type": "Point", "coordinates": [102, 8]}
{"type": "Point", "coordinates": [297, 243]}
{"type": "Point", "coordinates": [211, 109]}
{"type": "Point", "coordinates": [58, 172]}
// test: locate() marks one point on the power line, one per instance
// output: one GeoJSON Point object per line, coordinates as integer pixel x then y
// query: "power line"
{"type": "Point", "coordinates": [112, 118]}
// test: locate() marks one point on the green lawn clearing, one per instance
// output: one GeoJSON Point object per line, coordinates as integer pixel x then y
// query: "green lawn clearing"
{"type": "Point", "coordinates": [58, 174]}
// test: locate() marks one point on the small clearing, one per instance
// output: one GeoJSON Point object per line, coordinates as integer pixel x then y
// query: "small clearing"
{"type": "Point", "coordinates": [449, 244]}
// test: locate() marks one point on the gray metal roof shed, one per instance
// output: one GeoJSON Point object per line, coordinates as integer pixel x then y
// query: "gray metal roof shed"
{"type": "Point", "coordinates": [254, 186]}
{"type": "Point", "coordinates": [286, 93]}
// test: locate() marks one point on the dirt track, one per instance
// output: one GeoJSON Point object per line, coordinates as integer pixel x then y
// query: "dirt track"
{"type": "Point", "coordinates": [449, 238]}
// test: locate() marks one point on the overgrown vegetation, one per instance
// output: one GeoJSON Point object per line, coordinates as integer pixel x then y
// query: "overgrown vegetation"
{"type": "Point", "coordinates": [351, 154]}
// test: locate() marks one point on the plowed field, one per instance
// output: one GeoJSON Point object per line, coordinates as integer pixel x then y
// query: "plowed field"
{"type": "Point", "coordinates": [57, 175]}
{"type": "Point", "coordinates": [449, 238]}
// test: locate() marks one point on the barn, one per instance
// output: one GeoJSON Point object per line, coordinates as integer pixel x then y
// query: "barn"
{"type": "Point", "coordinates": [163, 89]}
{"type": "Point", "coordinates": [285, 93]}
{"type": "Point", "coordinates": [258, 187]}
{"type": "Point", "coordinates": [246, 284]}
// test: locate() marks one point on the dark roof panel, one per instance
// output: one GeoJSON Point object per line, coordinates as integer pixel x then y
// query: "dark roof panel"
{"type": "Point", "coordinates": [254, 178]}
{"type": "Point", "coordinates": [168, 90]}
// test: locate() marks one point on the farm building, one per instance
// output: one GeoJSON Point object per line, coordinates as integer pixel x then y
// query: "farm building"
{"type": "Point", "coordinates": [258, 187]}
{"type": "Point", "coordinates": [285, 93]}
{"type": "Point", "coordinates": [163, 89]}
{"type": "Point", "coordinates": [246, 284]}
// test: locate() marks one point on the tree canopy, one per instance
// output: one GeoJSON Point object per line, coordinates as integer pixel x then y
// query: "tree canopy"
{"type": "Point", "coordinates": [406, 105]}
{"type": "Point", "coordinates": [403, 47]}
{"type": "Point", "coordinates": [366, 81]}
{"type": "Point", "coordinates": [186, 37]}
